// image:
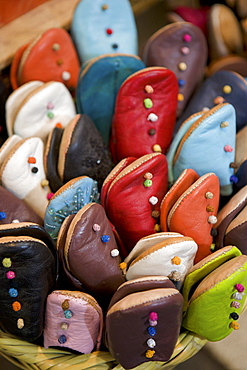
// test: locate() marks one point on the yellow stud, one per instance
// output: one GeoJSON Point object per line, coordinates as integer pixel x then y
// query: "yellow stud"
{"type": "Point", "coordinates": [182, 66]}
{"type": "Point", "coordinates": [227, 89]}
{"type": "Point", "coordinates": [157, 148]}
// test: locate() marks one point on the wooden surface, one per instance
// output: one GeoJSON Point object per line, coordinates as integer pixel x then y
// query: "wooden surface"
{"type": "Point", "coordinates": [54, 13]}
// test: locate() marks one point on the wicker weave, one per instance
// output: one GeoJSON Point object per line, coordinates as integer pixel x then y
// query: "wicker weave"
{"type": "Point", "coordinates": [30, 356]}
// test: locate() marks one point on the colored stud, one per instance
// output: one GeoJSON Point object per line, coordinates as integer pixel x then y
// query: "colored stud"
{"type": "Point", "coordinates": [153, 322]}
{"type": "Point", "coordinates": [6, 262]}
{"type": "Point", "coordinates": [175, 276]}
{"type": "Point", "coordinates": [153, 316]}
{"type": "Point", "coordinates": [104, 7]}
{"type": "Point", "coordinates": [2, 215]}
{"type": "Point", "coordinates": [181, 82]}
{"type": "Point", "coordinates": [58, 125]}
{"type": "Point", "coordinates": [212, 219]}
{"type": "Point", "coordinates": [16, 306]}
{"type": "Point", "coordinates": [227, 89]}
{"type": "Point", "coordinates": [235, 304]}
{"type": "Point", "coordinates": [176, 260]}
{"type": "Point", "coordinates": [65, 304]}
{"type": "Point", "coordinates": [49, 196]}
{"type": "Point", "coordinates": [187, 37]}
{"type": "Point", "coordinates": [20, 323]}
{"type": "Point", "coordinates": [109, 31]}
{"type": "Point", "coordinates": [151, 132]}
{"type": "Point", "coordinates": [114, 252]}
{"type": "Point", "coordinates": [122, 265]}
{"type": "Point", "coordinates": [155, 214]}
{"type": "Point", "coordinates": [224, 124]}
{"type": "Point", "coordinates": [157, 148]}
{"type": "Point", "coordinates": [182, 66]}
{"type": "Point", "coordinates": [44, 183]}
{"type": "Point", "coordinates": [151, 331]}
{"type": "Point", "coordinates": [50, 115]}
{"type": "Point", "coordinates": [233, 165]}
{"type": "Point", "coordinates": [55, 46]}
{"type": "Point", "coordinates": [148, 103]}
{"type": "Point", "coordinates": [147, 183]}
{"type": "Point", "coordinates": [105, 238]}
{"type": "Point", "coordinates": [209, 195]}
{"type": "Point", "coordinates": [148, 176]}
{"type": "Point", "coordinates": [151, 343]}
{"type": "Point", "coordinates": [209, 208]}
{"type": "Point", "coordinates": [66, 75]}
{"type": "Point", "coordinates": [10, 275]}
{"type": "Point", "coordinates": [62, 339]}
{"type": "Point", "coordinates": [31, 160]}
{"type": "Point", "coordinates": [212, 247]}
{"type": "Point", "coordinates": [234, 325]}
{"type": "Point", "coordinates": [149, 89]}
{"type": "Point", "coordinates": [219, 100]}
{"type": "Point", "coordinates": [64, 326]}
{"type": "Point", "coordinates": [34, 169]}
{"type": "Point", "coordinates": [15, 221]}
{"type": "Point", "coordinates": [228, 148]}
{"type": "Point", "coordinates": [238, 296]}
{"type": "Point", "coordinates": [239, 287]}
{"type": "Point", "coordinates": [13, 292]}
{"type": "Point", "coordinates": [205, 109]}
{"type": "Point", "coordinates": [153, 200]}
{"type": "Point", "coordinates": [214, 232]}
{"type": "Point", "coordinates": [68, 314]}
{"type": "Point", "coordinates": [234, 316]}
{"type": "Point", "coordinates": [157, 228]}
{"type": "Point", "coordinates": [59, 62]}
{"type": "Point", "coordinates": [180, 97]}
{"type": "Point", "coordinates": [96, 227]}
{"type": "Point", "coordinates": [50, 105]}
{"type": "Point", "coordinates": [152, 117]}
{"type": "Point", "coordinates": [185, 50]}
{"type": "Point", "coordinates": [150, 353]}
{"type": "Point", "coordinates": [234, 179]}
{"type": "Point", "coordinates": [114, 46]}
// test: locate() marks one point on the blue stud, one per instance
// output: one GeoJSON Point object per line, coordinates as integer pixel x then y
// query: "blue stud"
{"type": "Point", "coordinates": [62, 339]}
{"type": "Point", "coordinates": [181, 82]}
{"type": "Point", "coordinates": [68, 314]}
{"type": "Point", "coordinates": [105, 238]}
{"type": "Point", "coordinates": [234, 179]}
{"type": "Point", "coordinates": [2, 215]}
{"type": "Point", "coordinates": [151, 331]}
{"type": "Point", "coordinates": [13, 292]}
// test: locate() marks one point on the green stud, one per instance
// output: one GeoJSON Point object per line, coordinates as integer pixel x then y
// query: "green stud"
{"type": "Point", "coordinates": [148, 103]}
{"type": "Point", "coordinates": [50, 115]}
{"type": "Point", "coordinates": [147, 183]}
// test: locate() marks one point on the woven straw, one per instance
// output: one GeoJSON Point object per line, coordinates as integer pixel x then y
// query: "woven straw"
{"type": "Point", "coordinates": [30, 356]}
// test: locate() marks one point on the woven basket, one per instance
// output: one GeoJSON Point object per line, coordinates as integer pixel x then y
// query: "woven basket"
{"type": "Point", "coordinates": [30, 356]}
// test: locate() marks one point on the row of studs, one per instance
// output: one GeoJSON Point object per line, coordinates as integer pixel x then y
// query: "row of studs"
{"type": "Point", "coordinates": [109, 31]}
{"type": "Point", "coordinates": [65, 74]}
{"type": "Point", "coordinates": [237, 296]}
{"type": "Point", "coordinates": [182, 66]}
{"type": "Point", "coordinates": [153, 321]}
{"type": "Point", "coordinates": [34, 170]}
{"type": "Point", "coordinates": [64, 325]}
{"type": "Point", "coordinates": [152, 117]}
{"type": "Point", "coordinates": [153, 200]}
{"type": "Point", "coordinates": [13, 292]}
{"type": "Point", "coordinates": [105, 239]}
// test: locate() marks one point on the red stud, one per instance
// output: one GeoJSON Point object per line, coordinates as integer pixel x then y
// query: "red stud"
{"type": "Point", "coordinates": [109, 31]}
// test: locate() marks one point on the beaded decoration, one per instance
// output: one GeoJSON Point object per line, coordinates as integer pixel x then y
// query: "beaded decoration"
{"type": "Point", "coordinates": [151, 343]}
